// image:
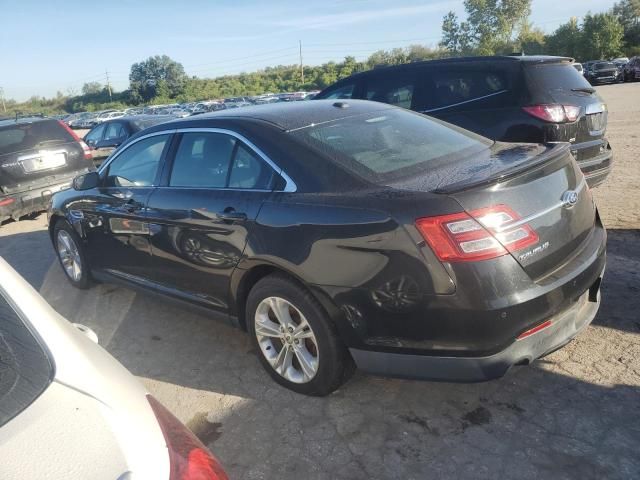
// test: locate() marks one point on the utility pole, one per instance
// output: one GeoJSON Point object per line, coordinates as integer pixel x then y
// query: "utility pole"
{"type": "Point", "coordinates": [301, 66]}
{"type": "Point", "coordinates": [106, 72]}
{"type": "Point", "coordinates": [4, 107]}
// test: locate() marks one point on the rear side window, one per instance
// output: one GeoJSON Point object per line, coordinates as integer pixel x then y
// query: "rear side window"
{"type": "Point", "coordinates": [451, 88]}
{"type": "Point", "coordinates": [554, 77]}
{"type": "Point", "coordinates": [27, 136]}
{"type": "Point", "coordinates": [202, 160]}
{"type": "Point", "coordinates": [25, 369]}
{"type": "Point", "coordinates": [114, 130]}
{"type": "Point", "coordinates": [249, 171]}
{"type": "Point", "coordinates": [343, 91]}
{"type": "Point", "coordinates": [390, 144]}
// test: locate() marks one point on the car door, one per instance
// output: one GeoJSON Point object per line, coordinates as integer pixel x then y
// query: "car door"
{"type": "Point", "coordinates": [202, 215]}
{"type": "Point", "coordinates": [114, 213]}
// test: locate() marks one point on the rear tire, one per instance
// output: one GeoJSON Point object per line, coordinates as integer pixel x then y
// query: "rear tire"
{"type": "Point", "coordinates": [297, 343]}
{"type": "Point", "coordinates": [71, 255]}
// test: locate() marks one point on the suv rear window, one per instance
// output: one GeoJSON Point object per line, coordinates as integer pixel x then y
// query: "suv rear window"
{"type": "Point", "coordinates": [25, 369]}
{"type": "Point", "coordinates": [387, 145]}
{"type": "Point", "coordinates": [556, 76]}
{"type": "Point", "coordinates": [17, 137]}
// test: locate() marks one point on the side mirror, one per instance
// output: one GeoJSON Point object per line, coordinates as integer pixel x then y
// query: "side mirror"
{"type": "Point", "coordinates": [87, 181]}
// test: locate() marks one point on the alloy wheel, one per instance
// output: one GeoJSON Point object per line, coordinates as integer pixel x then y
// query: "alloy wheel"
{"type": "Point", "coordinates": [286, 340]}
{"type": "Point", "coordinates": [69, 255]}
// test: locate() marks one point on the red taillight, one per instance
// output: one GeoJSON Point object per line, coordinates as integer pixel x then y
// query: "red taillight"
{"type": "Point", "coordinates": [7, 201]}
{"type": "Point", "coordinates": [554, 113]}
{"type": "Point", "coordinates": [85, 148]}
{"type": "Point", "coordinates": [189, 459]}
{"type": "Point", "coordinates": [479, 235]}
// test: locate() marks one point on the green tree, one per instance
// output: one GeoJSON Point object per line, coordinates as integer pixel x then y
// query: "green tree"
{"type": "Point", "coordinates": [91, 88]}
{"type": "Point", "coordinates": [603, 35]}
{"type": "Point", "coordinates": [156, 72]}
{"type": "Point", "coordinates": [566, 41]}
{"type": "Point", "coordinates": [628, 14]}
{"type": "Point", "coordinates": [531, 40]}
{"type": "Point", "coordinates": [491, 26]}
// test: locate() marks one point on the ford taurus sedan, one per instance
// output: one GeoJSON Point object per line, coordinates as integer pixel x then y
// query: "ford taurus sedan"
{"type": "Point", "coordinates": [347, 232]}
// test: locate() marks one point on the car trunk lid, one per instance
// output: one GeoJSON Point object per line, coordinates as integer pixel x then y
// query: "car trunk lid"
{"type": "Point", "coordinates": [548, 194]}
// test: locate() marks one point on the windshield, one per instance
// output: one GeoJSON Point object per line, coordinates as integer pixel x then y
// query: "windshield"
{"type": "Point", "coordinates": [556, 76]}
{"type": "Point", "coordinates": [387, 145]}
{"type": "Point", "coordinates": [604, 66]}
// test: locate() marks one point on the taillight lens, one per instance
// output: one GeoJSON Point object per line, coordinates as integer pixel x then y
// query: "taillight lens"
{"type": "Point", "coordinates": [189, 459]}
{"type": "Point", "coordinates": [85, 148]}
{"type": "Point", "coordinates": [6, 201]}
{"type": "Point", "coordinates": [478, 235]}
{"type": "Point", "coordinates": [554, 113]}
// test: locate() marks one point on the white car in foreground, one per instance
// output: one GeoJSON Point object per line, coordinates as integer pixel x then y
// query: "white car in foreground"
{"type": "Point", "coordinates": [68, 410]}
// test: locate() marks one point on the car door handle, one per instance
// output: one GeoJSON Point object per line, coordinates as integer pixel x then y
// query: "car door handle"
{"type": "Point", "coordinates": [230, 215]}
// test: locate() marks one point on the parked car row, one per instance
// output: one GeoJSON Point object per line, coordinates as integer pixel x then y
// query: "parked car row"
{"type": "Point", "coordinates": [617, 70]}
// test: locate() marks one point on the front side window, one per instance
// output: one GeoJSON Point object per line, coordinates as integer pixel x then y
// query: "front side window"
{"type": "Point", "coordinates": [95, 135]}
{"type": "Point", "coordinates": [395, 90]}
{"type": "Point", "coordinates": [137, 165]}
{"type": "Point", "coordinates": [341, 92]}
{"type": "Point", "coordinates": [114, 130]}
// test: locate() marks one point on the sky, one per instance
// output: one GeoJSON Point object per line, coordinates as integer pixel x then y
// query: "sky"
{"type": "Point", "coordinates": [51, 46]}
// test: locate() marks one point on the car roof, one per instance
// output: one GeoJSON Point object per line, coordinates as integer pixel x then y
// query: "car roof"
{"type": "Point", "coordinates": [4, 122]}
{"type": "Point", "coordinates": [289, 115]}
{"type": "Point", "coordinates": [462, 60]}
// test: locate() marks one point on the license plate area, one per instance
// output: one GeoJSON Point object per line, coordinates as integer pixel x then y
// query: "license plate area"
{"type": "Point", "coordinates": [43, 161]}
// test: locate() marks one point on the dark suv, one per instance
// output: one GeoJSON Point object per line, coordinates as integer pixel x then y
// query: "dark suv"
{"type": "Point", "coordinates": [38, 157]}
{"type": "Point", "coordinates": [534, 99]}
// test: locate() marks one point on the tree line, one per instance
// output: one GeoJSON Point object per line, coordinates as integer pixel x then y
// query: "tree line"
{"type": "Point", "coordinates": [490, 27]}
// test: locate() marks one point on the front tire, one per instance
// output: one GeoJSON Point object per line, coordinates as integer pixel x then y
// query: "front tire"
{"type": "Point", "coordinates": [298, 344]}
{"type": "Point", "coordinates": [71, 255]}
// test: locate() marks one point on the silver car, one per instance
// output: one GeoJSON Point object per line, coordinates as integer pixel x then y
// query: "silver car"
{"type": "Point", "coordinates": [68, 410]}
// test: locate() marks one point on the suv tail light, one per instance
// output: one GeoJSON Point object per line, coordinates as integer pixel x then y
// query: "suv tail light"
{"type": "Point", "coordinates": [554, 113]}
{"type": "Point", "coordinates": [478, 235]}
{"type": "Point", "coordinates": [85, 148]}
{"type": "Point", "coordinates": [189, 459]}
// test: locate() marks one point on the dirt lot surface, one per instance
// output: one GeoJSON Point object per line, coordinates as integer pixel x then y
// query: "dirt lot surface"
{"type": "Point", "coordinates": [574, 414]}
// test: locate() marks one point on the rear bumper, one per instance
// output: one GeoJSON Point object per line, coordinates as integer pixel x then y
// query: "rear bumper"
{"type": "Point", "coordinates": [595, 159]}
{"type": "Point", "coordinates": [563, 328]}
{"type": "Point", "coordinates": [29, 201]}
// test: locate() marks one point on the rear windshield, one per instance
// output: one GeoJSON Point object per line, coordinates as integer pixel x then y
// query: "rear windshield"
{"type": "Point", "coordinates": [25, 369]}
{"type": "Point", "coordinates": [604, 66]}
{"type": "Point", "coordinates": [17, 137]}
{"type": "Point", "coordinates": [556, 76]}
{"type": "Point", "coordinates": [388, 145]}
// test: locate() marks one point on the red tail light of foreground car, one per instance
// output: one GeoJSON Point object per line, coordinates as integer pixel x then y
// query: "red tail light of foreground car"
{"type": "Point", "coordinates": [479, 235]}
{"type": "Point", "coordinates": [188, 457]}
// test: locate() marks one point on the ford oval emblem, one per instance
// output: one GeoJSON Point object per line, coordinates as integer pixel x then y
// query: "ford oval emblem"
{"type": "Point", "coordinates": [569, 198]}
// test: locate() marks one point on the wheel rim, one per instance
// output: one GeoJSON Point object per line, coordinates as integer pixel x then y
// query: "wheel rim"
{"type": "Point", "coordinates": [286, 340]}
{"type": "Point", "coordinates": [69, 256]}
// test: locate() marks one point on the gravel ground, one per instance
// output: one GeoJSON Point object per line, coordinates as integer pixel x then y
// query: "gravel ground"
{"type": "Point", "coordinates": [574, 414]}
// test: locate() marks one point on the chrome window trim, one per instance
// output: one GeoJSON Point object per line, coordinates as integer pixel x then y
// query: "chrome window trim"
{"type": "Point", "coordinates": [465, 102]}
{"type": "Point", "coordinates": [290, 185]}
